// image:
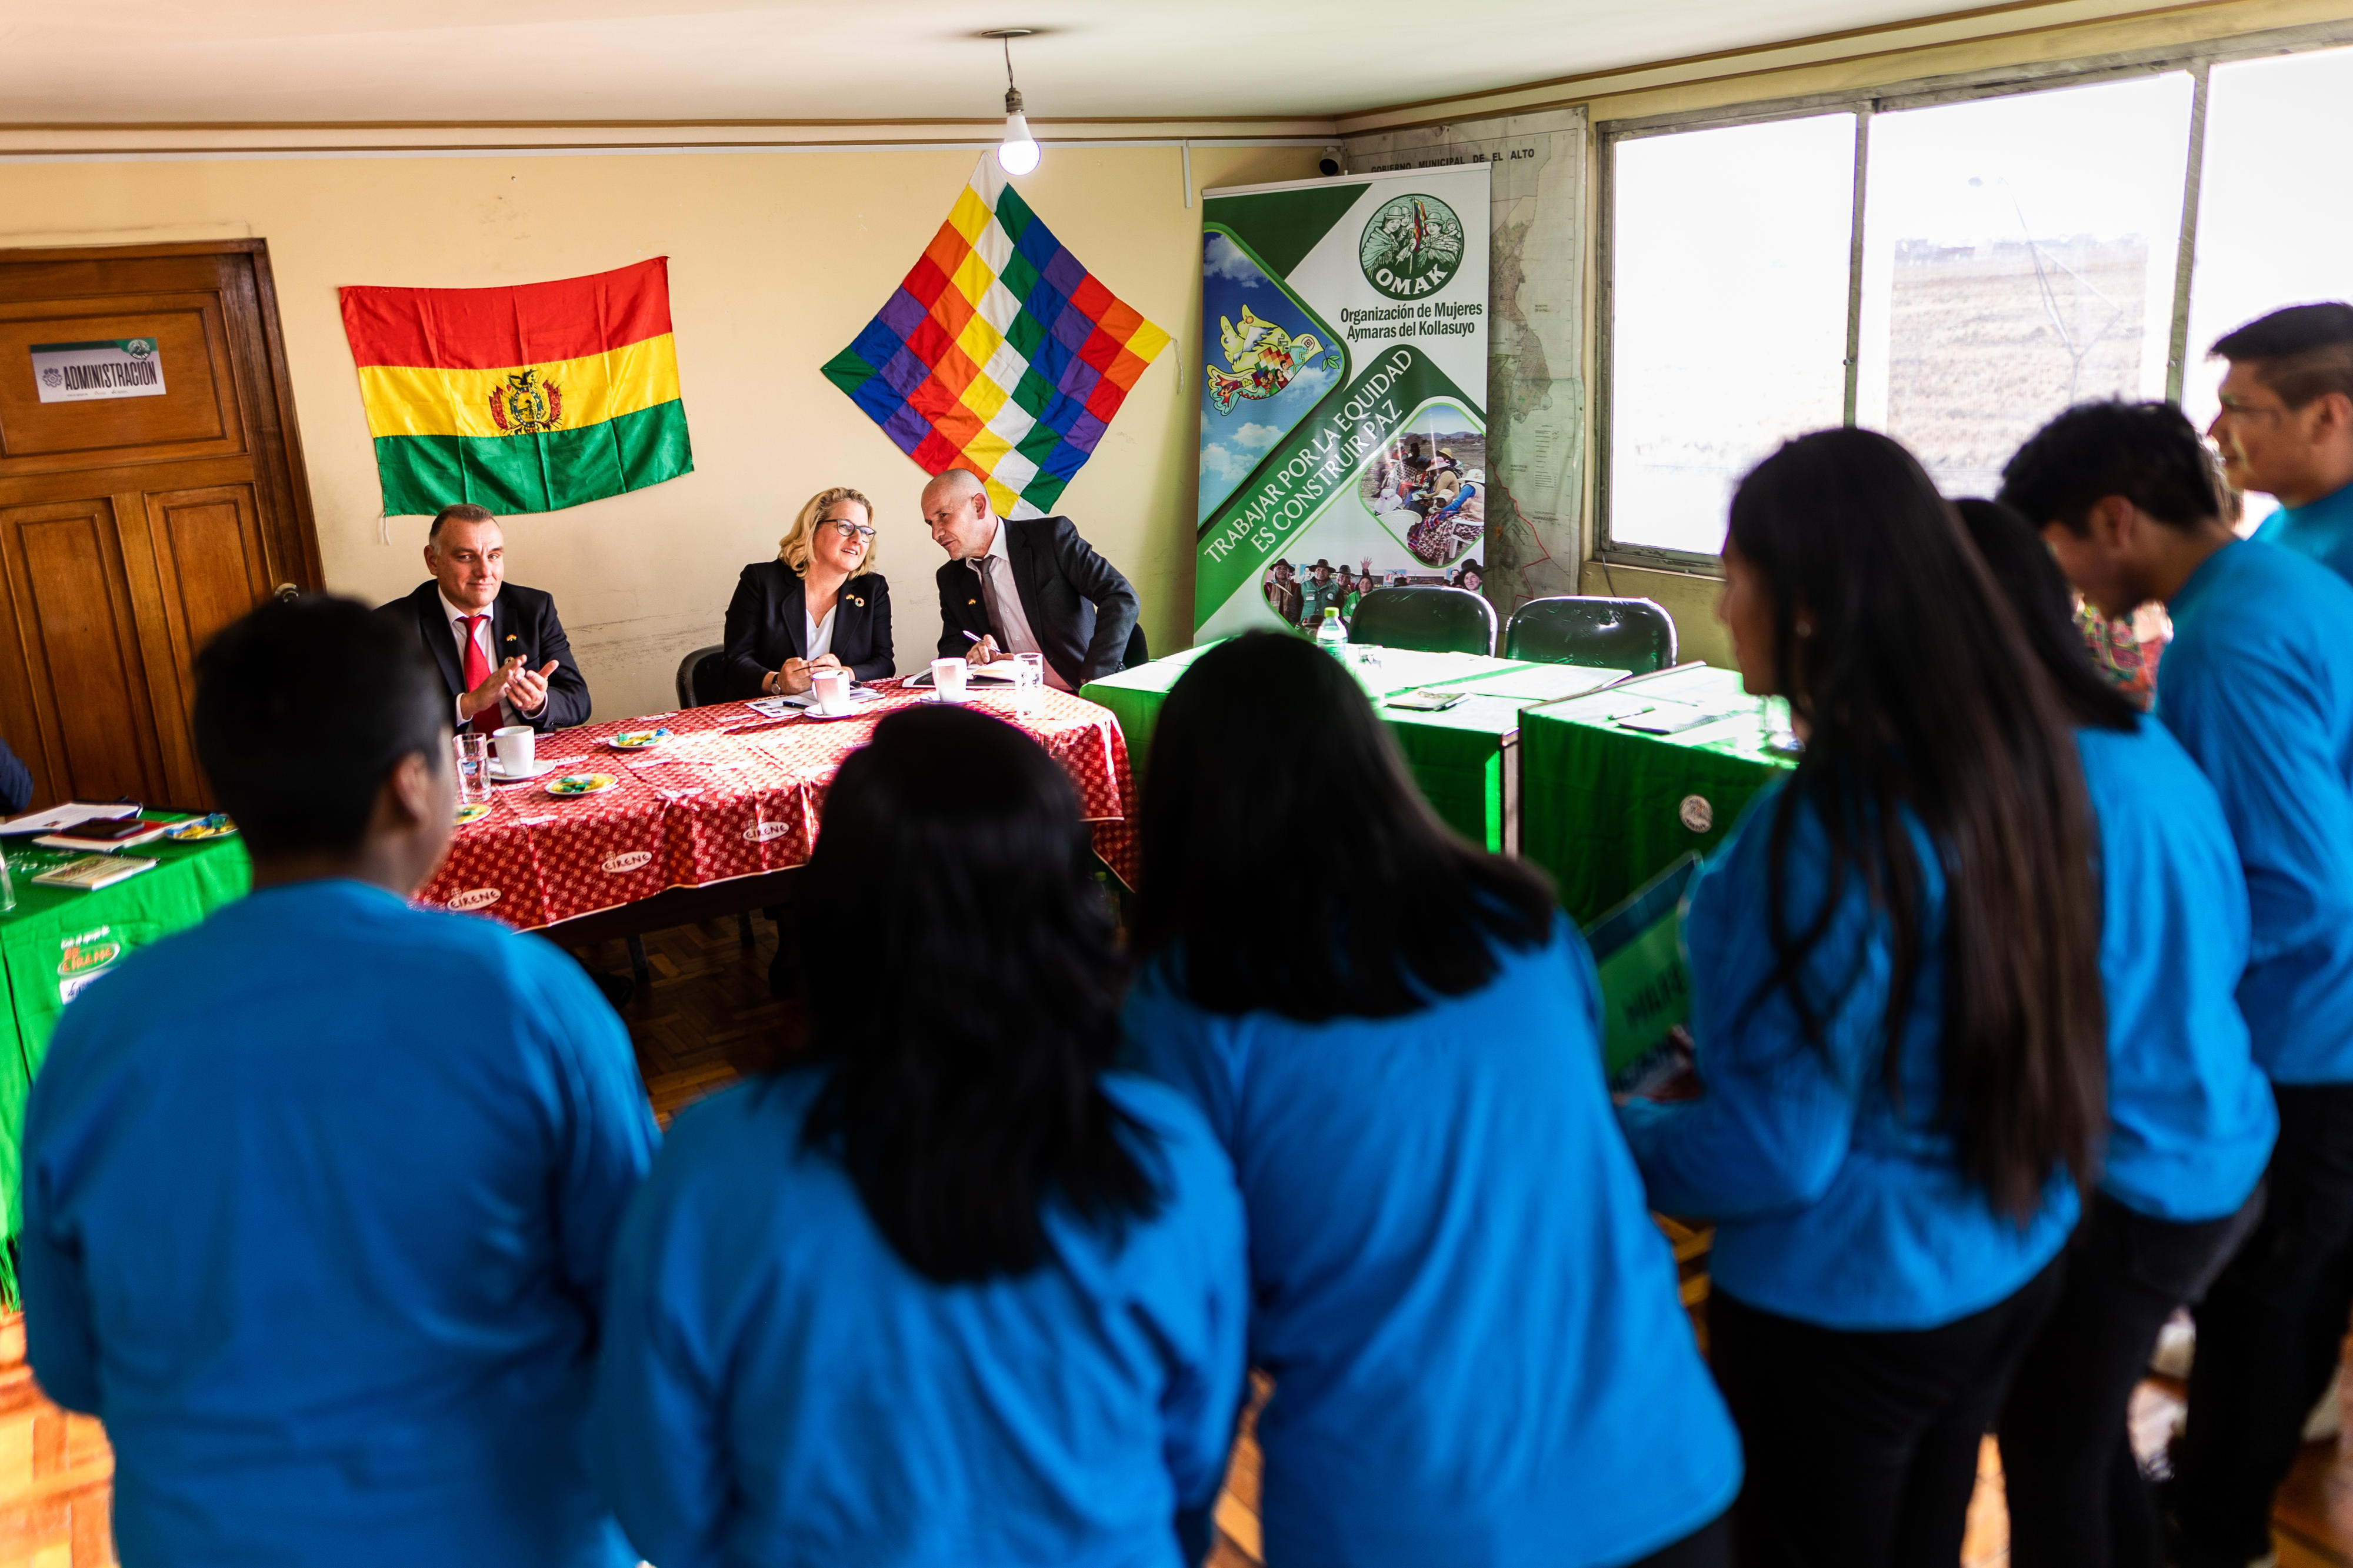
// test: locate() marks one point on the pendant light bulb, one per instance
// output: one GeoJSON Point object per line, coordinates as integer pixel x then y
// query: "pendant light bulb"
{"type": "Point", "coordinates": [1017, 152]}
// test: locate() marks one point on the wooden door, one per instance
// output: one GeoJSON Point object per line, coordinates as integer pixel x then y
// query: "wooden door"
{"type": "Point", "coordinates": [132, 528]}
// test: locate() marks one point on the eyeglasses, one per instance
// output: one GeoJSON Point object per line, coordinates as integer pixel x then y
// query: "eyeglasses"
{"type": "Point", "coordinates": [848, 530]}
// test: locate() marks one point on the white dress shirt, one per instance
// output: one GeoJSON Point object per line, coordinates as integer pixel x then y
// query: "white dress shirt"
{"type": "Point", "coordinates": [508, 712]}
{"type": "Point", "coordinates": [994, 567]}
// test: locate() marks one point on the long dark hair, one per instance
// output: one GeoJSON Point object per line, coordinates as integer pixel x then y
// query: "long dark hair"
{"type": "Point", "coordinates": [2039, 597]}
{"type": "Point", "coordinates": [966, 1031]}
{"type": "Point", "coordinates": [1919, 696]}
{"type": "Point", "coordinates": [1268, 761]}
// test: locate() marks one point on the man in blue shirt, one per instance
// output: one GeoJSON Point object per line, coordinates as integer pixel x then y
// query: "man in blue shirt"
{"type": "Point", "coordinates": [2286, 426]}
{"type": "Point", "coordinates": [319, 1195]}
{"type": "Point", "coordinates": [2257, 688]}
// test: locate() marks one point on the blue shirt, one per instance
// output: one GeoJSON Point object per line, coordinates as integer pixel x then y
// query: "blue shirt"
{"type": "Point", "coordinates": [779, 1388]}
{"type": "Point", "coordinates": [2258, 688]}
{"type": "Point", "coordinates": [2191, 1118]}
{"type": "Point", "coordinates": [1479, 1355]}
{"type": "Point", "coordinates": [2322, 529]}
{"type": "Point", "coordinates": [1834, 1205]}
{"type": "Point", "coordinates": [318, 1197]}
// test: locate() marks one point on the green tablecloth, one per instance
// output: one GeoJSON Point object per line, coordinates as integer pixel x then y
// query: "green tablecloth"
{"type": "Point", "coordinates": [54, 943]}
{"type": "Point", "coordinates": [1604, 809]}
{"type": "Point", "coordinates": [1457, 756]}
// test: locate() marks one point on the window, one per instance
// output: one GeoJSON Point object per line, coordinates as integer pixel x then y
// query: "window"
{"type": "Point", "coordinates": [2018, 256]}
{"type": "Point", "coordinates": [2020, 250]}
{"type": "Point", "coordinates": [1716, 365]}
{"type": "Point", "coordinates": [2272, 227]}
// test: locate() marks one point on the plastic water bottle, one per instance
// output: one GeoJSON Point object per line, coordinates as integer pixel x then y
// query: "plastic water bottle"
{"type": "Point", "coordinates": [1332, 637]}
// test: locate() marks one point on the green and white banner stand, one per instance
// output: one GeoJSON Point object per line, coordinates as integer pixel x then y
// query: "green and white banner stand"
{"type": "Point", "coordinates": [1344, 392]}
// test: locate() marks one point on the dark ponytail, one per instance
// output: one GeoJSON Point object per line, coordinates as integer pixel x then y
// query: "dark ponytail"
{"type": "Point", "coordinates": [976, 1002]}
{"type": "Point", "coordinates": [1920, 696]}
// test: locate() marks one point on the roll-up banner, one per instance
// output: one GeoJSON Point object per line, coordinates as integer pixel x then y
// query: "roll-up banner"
{"type": "Point", "coordinates": [1343, 393]}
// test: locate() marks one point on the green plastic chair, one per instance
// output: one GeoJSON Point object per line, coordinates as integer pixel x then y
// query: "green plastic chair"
{"type": "Point", "coordinates": [1426, 619]}
{"type": "Point", "coordinates": [1635, 635]}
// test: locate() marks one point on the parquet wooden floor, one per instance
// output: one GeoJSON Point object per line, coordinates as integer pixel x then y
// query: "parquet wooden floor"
{"type": "Point", "coordinates": [705, 1019]}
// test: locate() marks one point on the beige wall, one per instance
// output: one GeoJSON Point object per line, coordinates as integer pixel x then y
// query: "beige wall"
{"type": "Point", "coordinates": [776, 260]}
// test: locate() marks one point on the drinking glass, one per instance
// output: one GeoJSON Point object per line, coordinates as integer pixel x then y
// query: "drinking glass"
{"type": "Point", "coordinates": [471, 755]}
{"type": "Point", "coordinates": [1028, 680]}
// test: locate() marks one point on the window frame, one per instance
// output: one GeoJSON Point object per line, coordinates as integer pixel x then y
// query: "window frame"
{"type": "Point", "coordinates": [2003, 81]}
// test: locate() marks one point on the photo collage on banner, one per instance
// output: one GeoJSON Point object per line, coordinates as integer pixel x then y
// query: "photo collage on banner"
{"type": "Point", "coordinates": [1343, 386]}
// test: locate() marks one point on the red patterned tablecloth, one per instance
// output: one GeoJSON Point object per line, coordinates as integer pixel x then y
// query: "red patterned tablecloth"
{"type": "Point", "coordinates": [707, 806]}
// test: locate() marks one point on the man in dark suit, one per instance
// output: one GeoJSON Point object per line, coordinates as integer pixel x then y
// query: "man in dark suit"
{"type": "Point", "coordinates": [1033, 586]}
{"type": "Point", "coordinates": [499, 645]}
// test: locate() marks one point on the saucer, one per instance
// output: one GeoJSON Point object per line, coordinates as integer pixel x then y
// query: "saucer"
{"type": "Point", "coordinates": [499, 774]}
{"type": "Point", "coordinates": [638, 740]}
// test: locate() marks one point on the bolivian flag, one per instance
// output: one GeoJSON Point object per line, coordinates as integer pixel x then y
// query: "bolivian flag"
{"type": "Point", "coordinates": [529, 398]}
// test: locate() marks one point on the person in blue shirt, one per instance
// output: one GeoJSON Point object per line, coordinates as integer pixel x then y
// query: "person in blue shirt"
{"type": "Point", "coordinates": [2257, 688]}
{"type": "Point", "coordinates": [1478, 1353]}
{"type": "Point", "coordinates": [950, 1292]}
{"type": "Point", "coordinates": [1896, 1011]}
{"type": "Point", "coordinates": [319, 1194]}
{"type": "Point", "coordinates": [2189, 1114]}
{"type": "Point", "coordinates": [2285, 427]}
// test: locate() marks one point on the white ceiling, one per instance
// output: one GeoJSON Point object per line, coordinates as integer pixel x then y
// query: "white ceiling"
{"type": "Point", "coordinates": [274, 61]}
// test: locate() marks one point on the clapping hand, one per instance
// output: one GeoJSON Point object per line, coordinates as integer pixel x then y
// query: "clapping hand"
{"type": "Point", "coordinates": [527, 688]}
{"type": "Point", "coordinates": [494, 686]}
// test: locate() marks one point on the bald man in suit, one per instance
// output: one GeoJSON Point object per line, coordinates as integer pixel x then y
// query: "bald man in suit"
{"type": "Point", "coordinates": [1031, 586]}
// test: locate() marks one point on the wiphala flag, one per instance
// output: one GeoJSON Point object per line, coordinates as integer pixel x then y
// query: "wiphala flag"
{"type": "Point", "coordinates": [999, 352]}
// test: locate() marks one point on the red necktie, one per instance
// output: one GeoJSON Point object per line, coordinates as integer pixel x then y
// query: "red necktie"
{"type": "Point", "coordinates": [478, 670]}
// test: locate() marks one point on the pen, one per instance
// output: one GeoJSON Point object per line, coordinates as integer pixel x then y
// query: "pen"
{"type": "Point", "coordinates": [970, 637]}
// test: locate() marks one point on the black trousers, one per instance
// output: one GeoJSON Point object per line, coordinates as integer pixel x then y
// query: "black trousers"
{"type": "Point", "coordinates": [2076, 1497]}
{"type": "Point", "coordinates": [2268, 1334]}
{"type": "Point", "coordinates": [1710, 1546]}
{"type": "Point", "coordinates": [1863, 1447]}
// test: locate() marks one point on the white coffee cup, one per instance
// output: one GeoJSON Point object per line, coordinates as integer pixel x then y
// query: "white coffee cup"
{"type": "Point", "coordinates": [515, 743]}
{"type": "Point", "coordinates": [948, 679]}
{"type": "Point", "coordinates": [832, 688]}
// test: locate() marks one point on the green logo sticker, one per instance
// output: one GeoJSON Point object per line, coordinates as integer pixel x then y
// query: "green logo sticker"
{"type": "Point", "coordinates": [1411, 246]}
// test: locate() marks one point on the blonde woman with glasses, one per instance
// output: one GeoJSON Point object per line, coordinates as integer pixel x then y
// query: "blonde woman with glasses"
{"type": "Point", "coordinates": [818, 604]}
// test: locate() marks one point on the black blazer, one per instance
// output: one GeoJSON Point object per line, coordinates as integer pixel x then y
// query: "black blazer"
{"type": "Point", "coordinates": [523, 622]}
{"type": "Point", "coordinates": [1079, 605]}
{"type": "Point", "coordinates": [765, 626]}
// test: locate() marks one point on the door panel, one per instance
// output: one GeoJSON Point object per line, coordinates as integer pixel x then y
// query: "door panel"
{"type": "Point", "coordinates": [197, 414]}
{"type": "Point", "coordinates": [212, 567]}
{"type": "Point", "coordinates": [68, 597]}
{"type": "Point", "coordinates": [133, 528]}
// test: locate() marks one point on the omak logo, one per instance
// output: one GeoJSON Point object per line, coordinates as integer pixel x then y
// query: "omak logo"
{"type": "Point", "coordinates": [635, 860]}
{"type": "Point", "coordinates": [761, 832]}
{"type": "Point", "coordinates": [475, 898]}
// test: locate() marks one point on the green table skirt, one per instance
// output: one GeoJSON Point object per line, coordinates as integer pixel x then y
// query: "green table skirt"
{"type": "Point", "coordinates": [1457, 757]}
{"type": "Point", "coordinates": [1604, 809]}
{"type": "Point", "coordinates": [55, 942]}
